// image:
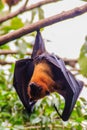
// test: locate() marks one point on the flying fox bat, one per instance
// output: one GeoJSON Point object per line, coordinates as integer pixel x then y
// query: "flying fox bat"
{"type": "Point", "coordinates": [43, 74]}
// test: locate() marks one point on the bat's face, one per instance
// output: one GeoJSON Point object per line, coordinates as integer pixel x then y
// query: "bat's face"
{"type": "Point", "coordinates": [41, 83]}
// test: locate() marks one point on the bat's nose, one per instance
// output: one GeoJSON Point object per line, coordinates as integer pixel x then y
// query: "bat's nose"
{"type": "Point", "coordinates": [33, 86]}
{"type": "Point", "coordinates": [35, 89]}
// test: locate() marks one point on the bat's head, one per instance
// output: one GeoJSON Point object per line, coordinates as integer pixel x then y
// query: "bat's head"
{"type": "Point", "coordinates": [41, 83]}
{"type": "Point", "coordinates": [36, 92]}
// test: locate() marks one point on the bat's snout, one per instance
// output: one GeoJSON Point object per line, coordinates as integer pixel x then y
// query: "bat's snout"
{"type": "Point", "coordinates": [35, 90]}
{"type": "Point", "coordinates": [34, 87]}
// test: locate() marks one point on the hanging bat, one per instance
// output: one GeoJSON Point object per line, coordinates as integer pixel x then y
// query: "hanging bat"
{"type": "Point", "coordinates": [43, 74]}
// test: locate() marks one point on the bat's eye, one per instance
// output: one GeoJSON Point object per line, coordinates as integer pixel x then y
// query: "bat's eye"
{"type": "Point", "coordinates": [47, 92]}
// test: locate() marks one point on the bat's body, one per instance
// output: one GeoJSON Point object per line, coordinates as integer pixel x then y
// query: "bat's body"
{"type": "Point", "coordinates": [43, 74]}
{"type": "Point", "coordinates": [42, 79]}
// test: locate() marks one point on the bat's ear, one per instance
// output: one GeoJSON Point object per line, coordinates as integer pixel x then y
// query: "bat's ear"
{"type": "Point", "coordinates": [39, 46]}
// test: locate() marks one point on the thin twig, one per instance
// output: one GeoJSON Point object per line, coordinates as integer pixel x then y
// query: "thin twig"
{"type": "Point", "coordinates": [8, 52]}
{"type": "Point", "coordinates": [5, 62]}
{"type": "Point", "coordinates": [85, 85]}
{"type": "Point", "coordinates": [76, 73]}
{"type": "Point", "coordinates": [49, 126]}
{"type": "Point", "coordinates": [43, 23]}
{"type": "Point", "coordinates": [70, 62]}
{"type": "Point", "coordinates": [25, 4]}
{"type": "Point", "coordinates": [27, 8]}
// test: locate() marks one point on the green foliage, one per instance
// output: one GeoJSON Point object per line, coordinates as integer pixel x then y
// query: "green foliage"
{"type": "Point", "coordinates": [40, 13]}
{"type": "Point", "coordinates": [83, 59]}
{"type": "Point", "coordinates": [36, 12]}
{"type": "Point", "coordinates": [33, 14]}
{"type": "Point", "coordinates": [84, 0]}
{"type": "Point", "coordinates": [1, 5]}
{"type": "Point", "coordinates": [14, 117]}
{"type": "Point", "coordinates": [11, 25]}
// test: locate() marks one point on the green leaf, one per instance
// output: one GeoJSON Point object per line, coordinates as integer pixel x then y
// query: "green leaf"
{"type": "Point", "coordinates": [14, 24]}
{"type": "Point", "coordinates": [33, 14]}
{"type": "Point", "coordinates": [35, 119]}
{"type": "Point", "coordinates": [1, 5]}
{"type": "Point", "coordinates": [79, 111]}
{"type": "Point", "coordinates": [40, 13]}
{"type": "Point", "coordinates": [5, 47]}
{"type": "Point", "coordinates": [78, 127]}
{"type": "Point", "coordinates": [82, 99]}
{"type": "Point", "coordinates": [84, 0]}
{"type": "Point", "coordinates": [85, 116]}
{"type": "Point", "coordinates": [83, 59]}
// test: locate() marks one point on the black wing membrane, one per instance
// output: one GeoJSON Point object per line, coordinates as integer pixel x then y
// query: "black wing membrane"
{"type": "Point", "coordinates": [72, 86]}
{"type": "Point", "coordinates": [22, 74]}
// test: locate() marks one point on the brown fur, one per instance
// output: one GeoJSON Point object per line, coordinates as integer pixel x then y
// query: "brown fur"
{"type": "Point", "coordinates": [42, 76]}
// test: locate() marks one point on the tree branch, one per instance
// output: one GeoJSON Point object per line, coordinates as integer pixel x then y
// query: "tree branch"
{"type": "Point", "coordinates": [71, 62]}
{"type": "Point", "coordinates": [85, 85]}
{"type": "Point", "coordinates": [25, 4]}
{"type": "Point", "coordinates": [24, 9]}
{"type": "Point", "coordinates": [8, 52]}
{"type": "Point", "coordinates": [6, 62]}
{"type": "Point", "coordinates": [43, 23]}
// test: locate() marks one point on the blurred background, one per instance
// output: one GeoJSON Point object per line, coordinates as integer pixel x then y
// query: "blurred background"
{"type": "Point", "coordinates": [67, 39]}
